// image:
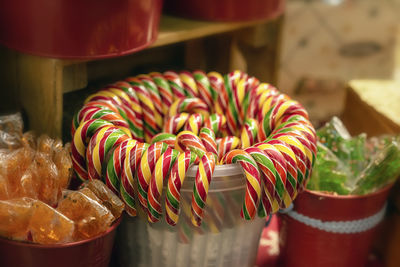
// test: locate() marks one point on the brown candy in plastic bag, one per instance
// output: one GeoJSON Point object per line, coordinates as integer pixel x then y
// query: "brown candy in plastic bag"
{"type": "Point", "coordinates": [90, 217]}
{"type": "Point", "coordinates": [30, 182]}
{"type": "Point", "coordinates": [63, 162]}
{"type": "Point", "coordinates": [108, 198]}
{"type": "Point", "coordinates": [57, 146]}
{"type": "Point", "coordinates": [3, 176]}
{"type": "Point", "coordinates": [11, 127]}
{"type": "Point", "coordinates": [16, 163]}
{"type": "Point", "coordinates": [45, 145]}
{"type": "Point", "coordinates": [15, 216]}
{"type": "Point", "coordinates": [47, 172]}
{"type": "Point", "coordinates": [29, 140]}
{"type": "Point", "coordinates": [3, 187]}
{"type": "Point", "coordinates": [89, 193]}
{"type": "Point", "coordinates": [48, 226]}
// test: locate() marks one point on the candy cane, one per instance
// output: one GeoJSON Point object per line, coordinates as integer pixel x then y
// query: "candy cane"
{"type": "Point", "coordinates": [253, 182]}
{"type": "Point", "coordinates": [160, 173]}
{"type": "Point", "coordinates": [115, 164]}
{"type": "Point", "coordinates": [127, 185]}
{"type": "Point", "coordinates": [145, 170]}
{"type": "Point", "coordinates": [175, 181]}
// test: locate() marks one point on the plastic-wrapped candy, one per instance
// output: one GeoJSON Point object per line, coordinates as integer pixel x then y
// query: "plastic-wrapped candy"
{"type": "Point", "coordinates": [329, 173]}
{"type": "Point", "coordinates": [3, 187]}
{"type": "Point", "coordinates": [47, 172]}
{"type": "Point", "coordinates": [350, 150]}
{"type": "Point", "coordinates": [90, 217]}
{"type": "Point", "coordinates": [30, 182]}
{"type": "Point", "coordinates": [34, 173]}
{"type": "Point", "coordinates": [49, 226]}
{"type": "Point", "coordinates": [383, 169]}
{"type": "Point", "coordinates": [15, 215]}
{"type": "Point", "coordinates": [45, 145]}
{"type": "Point", "coordinates": [11, 127]}
{"type": "Point", "coordinates": [63, 162]}
{"type": "Point", "coordinates": [108, 198]}
{"type": "Point", "coordinates": [353, 165]}
{"type": "Point", "coordinates": [15, 164]}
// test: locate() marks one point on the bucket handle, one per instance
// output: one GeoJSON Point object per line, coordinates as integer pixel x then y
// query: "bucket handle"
{"type": "Point", "coordinates": [338, 227]}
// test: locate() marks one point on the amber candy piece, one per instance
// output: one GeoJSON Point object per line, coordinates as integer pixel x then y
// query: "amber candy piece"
{"type": "Point", "coordinates": [47, 172]}
{"type": "Point", "coordinates": [49, 226]}
{"type": "Point", "coordinates": [29, 140]}
{"type": "Point", "coordinates": [3, 176]}
{"type": "Point", "coordinates": [11, 131]}
{"type": "Point", "coordinates": [15, 215]}
{"type": "Point", "coordinates": [45, 145]}
{"type": "Point", "coordinates": [108, 198]}
{"type": "Point", "coordinates": [16, 163]}
{"type": "Point", "coordinates": [89, 193]}
{"type": "Point", "coordinates": [90, 217]}
{"type": "Point", "coordinates": [30, 182]}
{"type": "Point", "coordinates": [3, 188]}
{"type": "Point", "coordinates": [57, 145]}
{"type": "Point", "coordinates": [63, 162]}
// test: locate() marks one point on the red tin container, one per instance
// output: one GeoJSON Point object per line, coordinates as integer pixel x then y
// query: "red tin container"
{"type": "Point", "coordinates": [305, 245]}
{"type": "Point", "coordinates": [81, 29]}
{"type": "Point", "coordinates": [94, 252]}
{"type": "Point", "coordinates": [226, 10]}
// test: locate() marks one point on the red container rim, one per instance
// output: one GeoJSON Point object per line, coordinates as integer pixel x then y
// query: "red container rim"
{"type": "Point", "coordinates": [63, 245]}
{"type": "Point", "coordinates": [85, 57]}
{"type": "Point", "coordinates": [348, 197]}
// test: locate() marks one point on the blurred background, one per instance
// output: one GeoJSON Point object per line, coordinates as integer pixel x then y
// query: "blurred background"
{"type": "Point", "coordinates": [327, 43]}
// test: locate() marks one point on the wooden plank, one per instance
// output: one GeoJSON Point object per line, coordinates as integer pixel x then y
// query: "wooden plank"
{"type": "Point", "coordinates": [74, 77]}
{"type": "Point", "coordinates": [39, 89]}
{"type": "Point", "coordinates": [259, 47]}
{"type": "Point", "coordinates": [174, 29]}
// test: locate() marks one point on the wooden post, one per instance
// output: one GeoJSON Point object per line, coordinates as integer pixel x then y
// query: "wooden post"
{"type": "Point", "coordinates": [36, 85]}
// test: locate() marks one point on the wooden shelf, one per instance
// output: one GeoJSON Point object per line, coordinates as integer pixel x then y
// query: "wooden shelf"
{"type": "Point", "coordinates": [174, 30]}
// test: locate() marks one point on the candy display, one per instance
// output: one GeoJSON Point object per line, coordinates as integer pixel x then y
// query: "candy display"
{"type": "Point", "coordinates": [141, 135]}
{"type": "Point", "coordinates": [353, 165]}
{"type": "Point", "coordinates": [35, 203]}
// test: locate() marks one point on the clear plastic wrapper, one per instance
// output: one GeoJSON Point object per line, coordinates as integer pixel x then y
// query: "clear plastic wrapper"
{"type": "Point", "coordinates": [63, 162]}
{"type": "Point", "coordinates": [11, 127]}
{"type": "Point", "coordinates": [90, 217]}
{"type": "Point", "coordinates": [383, 169]}
{"type": "Point", "coordinates": [47, 173]}
{"type": "Point", "coordinates": [353, 165]}
{"type": "Point", "coordinates": [15, 215]}
{"type": "Point", "coordinates": [107, 197]}
{"type": "Point", "coordinates": [49, 226]}
{"type": "Point", "coordinates": [329, 173]}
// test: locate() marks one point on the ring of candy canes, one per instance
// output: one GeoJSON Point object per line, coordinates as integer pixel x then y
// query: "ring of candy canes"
{"type": "Point", "coordinates": [142, 134]}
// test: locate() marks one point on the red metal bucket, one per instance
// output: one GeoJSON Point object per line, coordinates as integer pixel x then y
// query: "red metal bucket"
{"type": "Point", "coordinates": [326, 230]}
{"type": "Point", "coordinates": [94, 252]}
{"type": "Point", "coordinates": [79, 28]}
{"type": "Point", "coordinates": [226, 10]}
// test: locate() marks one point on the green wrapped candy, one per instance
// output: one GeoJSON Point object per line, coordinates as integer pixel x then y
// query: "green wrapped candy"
{"type": "Point", "coordinates": [329, 173]}
{"type": "Point", "coordinates": [382, 170]}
